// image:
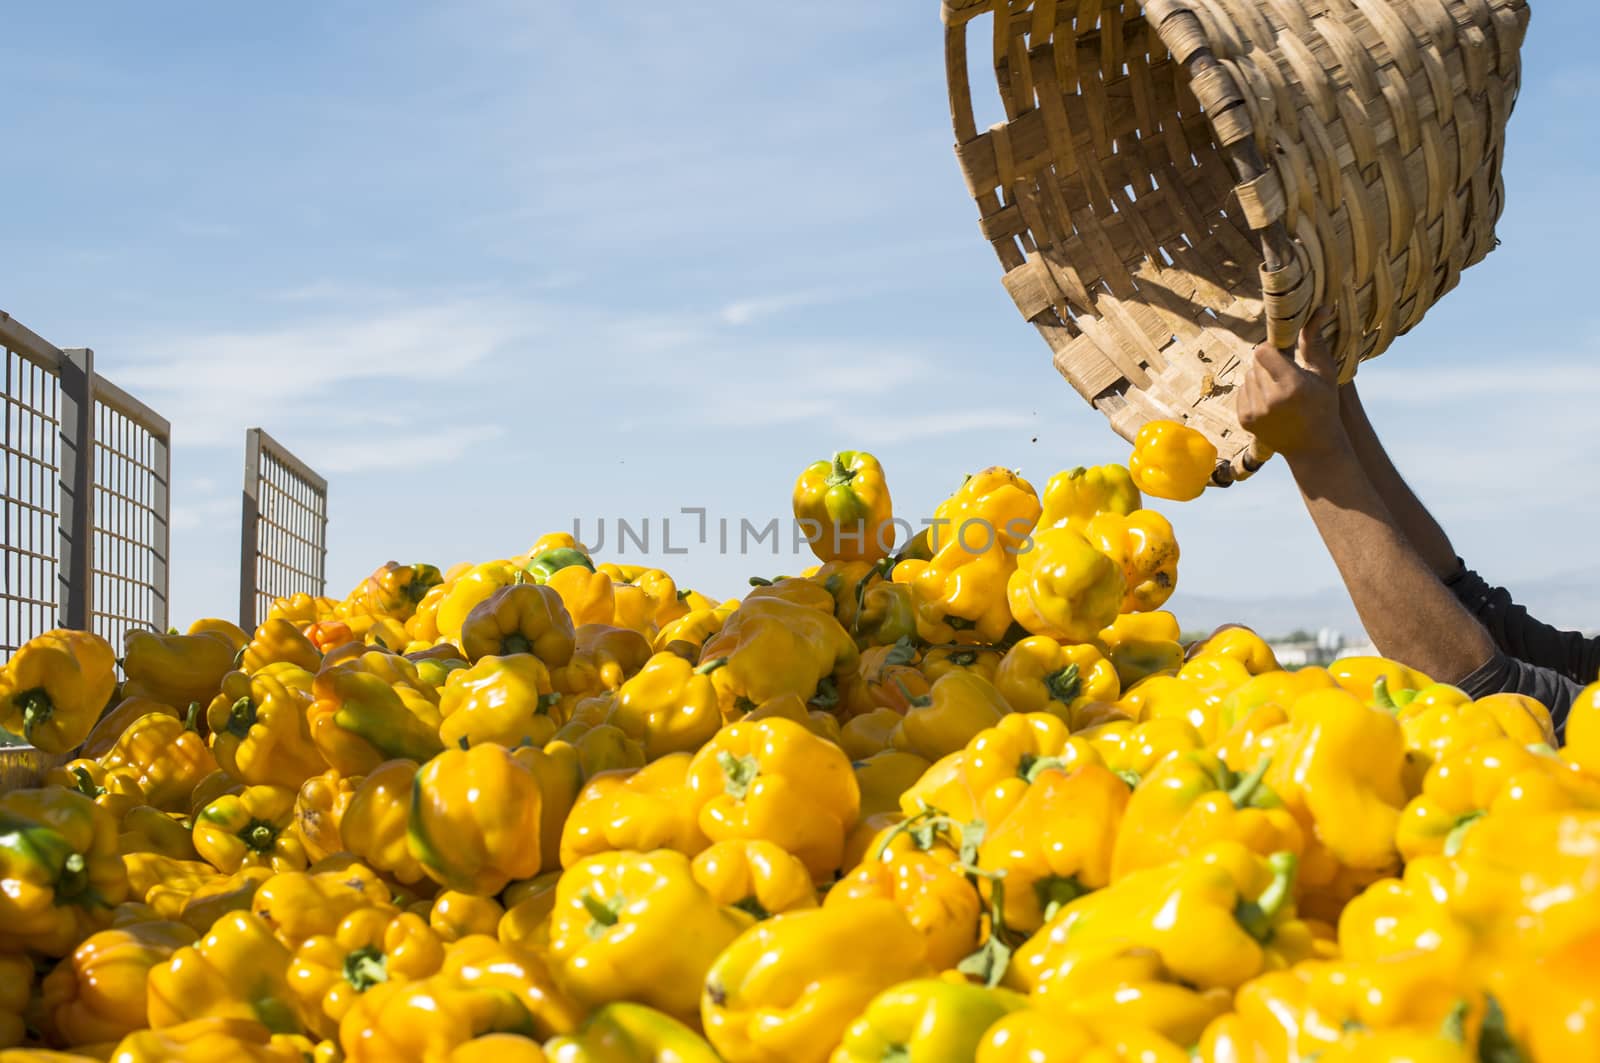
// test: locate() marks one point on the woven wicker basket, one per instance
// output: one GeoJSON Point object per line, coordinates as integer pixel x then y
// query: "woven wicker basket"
{"type": "Point", "coordinates": [1177, 180]}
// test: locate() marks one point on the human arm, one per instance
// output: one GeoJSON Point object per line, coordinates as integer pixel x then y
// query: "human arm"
{"type": "Point", "coordinates": [1407, 611]}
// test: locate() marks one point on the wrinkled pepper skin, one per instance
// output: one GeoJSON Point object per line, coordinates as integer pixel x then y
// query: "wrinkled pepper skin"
{"type": "Point", "coordinates": [471, 845]}
{"type": "Point", "coordinates": [98, 993]}
{"type": "Point", "coordinates": [16, 987]}
{"type": "Point", "coordinates": [1192, 800]}
{"type": "Point", "coordinates": [1002, 764]}
{"type": "Point", "coordinates": [1056, 844]}
{"type": "Point", "coordinates": [358, 722]}
{"type": "Point", "coordinates": [844, 508]}
{"type": "Point", "coordinates": [776, 781]}
{"type": "Point", "coordinates": [178, 669]}
{"type": "Point", "coordinates": [237, 971]}
{"type": "Point", "coordinates": [631, 1033]}
{"type": "Point", "coordinates": [770, 647]}
{"type": "Point", "coordinates": [1073, 498]}
{"type": "Point", "coordinates": [1038, 1036]}
{"type": "Point", "coordinates": [54, 688]}
{"type": "Point", "coordinates": [1145, 547]}
{"type": "Point", "coordinates": [939, 900]}
{"type": "Point", "coordinates": [167, 756]}
{"type": "Point", "coordinates": [116, 790]}
{"type": "Point", "coordinates": [1217, 919]}
{"type": "Point", "coordinates": [755, 876]}
{"type": "Point", "coordinates": [1064, 587]}
{"type": "Point", "coordinates": [605, 657]}
{"type": "Point", "coordinates": [454, 916]}
{"type": "Point", "coordinates": [216, 897]}
{"type": "Point", "coordinates": [116, 720]}
{"type": "Point", "coordinates": [926, 1021]}
{"type": "Point", "coordinates": [319, 807]}
{"type": "Point", "coordinates": [1172, 461]}
{"type": "Point", "coordinates": [60, 875]}
{"type": "Point", "coordinates": [278, 641]}
{"type": "Point", "coordinates": [1141, 645]}
{"type": "Point", "coordinates": [526, 973]}
{"type": "Point", "coordinates": [503, 700]}
{"type": "Point", "coordinates": [371, 946]}
{"type": "Point", "coordinates": [253, 828]}
{"type": "Point", "coordinates": [208, 1040]}
{"type": "Point", "coordinates": [299, 905]}
{"type": "Point", "coordinates": [828, 979]}
{"type": "Point", "coordinates": [427, 1020]}
{"type": "Point", "coordinates": [651, 808]}
{"type": "Point", "coordinates": [1242, 645]}
{"type": "Point", "coordinates": [259, 731]}
{"type": "Point", "coordinates": [637, 926]}
{"type": "Point", "coordinates": [522, 618]}
{"type": "Point", "coordinates": [1039, 674]}
{"type": "Point", "coordinates": [393, 590]}
{"type": "Point", "coordinates": [671, 705]}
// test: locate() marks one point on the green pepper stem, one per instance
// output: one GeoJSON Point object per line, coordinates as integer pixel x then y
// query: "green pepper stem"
{"type": "Point", "coordinates": [1458, 833]}
{"type": "Point", "coordinates": [516, 642]}
{"type": "Point", "coordinates": [259, 835]}
{"type": "Point", "coordinates": [1244, 791]}
{"type": "Point", "coordinates": [1064, 684]}
{"type": "Point", "coordinates": [710, 666]}
{"type": "Point", "coordinates": [365, 968]}
{"type": "Point", "coordinates": [841, 473]}
{"type": "Point", "coordinates": [241, 717]}
{"type": "Point", "coordinates": [37, 708]}
{"type": "Point", "coordinates": [606, 914]}
{"type": "Point", "coordinates": [738, 773]}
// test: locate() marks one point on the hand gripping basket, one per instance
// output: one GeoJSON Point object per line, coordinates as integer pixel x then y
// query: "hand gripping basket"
{"type": "Point", "coordinates": [1178, 180]}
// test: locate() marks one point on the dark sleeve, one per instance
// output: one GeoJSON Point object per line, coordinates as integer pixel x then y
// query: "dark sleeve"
{"type": "Point", "coordinates": [1507, 675]}
{"type": "Point", "coordinates": [1518, 635]}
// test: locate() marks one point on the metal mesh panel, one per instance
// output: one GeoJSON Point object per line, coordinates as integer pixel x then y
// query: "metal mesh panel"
{"type": "Point", "coordinates": [285, 547]}
{"type": "Point", "coordinates": [31, 487]}
{"type": "Point", "coordinates": [130, 534]}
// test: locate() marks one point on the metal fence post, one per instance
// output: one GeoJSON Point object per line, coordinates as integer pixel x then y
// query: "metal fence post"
{"type": "Point", "coordinates": [76, 518]}
{"type": "Point", "coordinates": [249, 526]}
{"type": "Point", "coordinates": [160, 531]}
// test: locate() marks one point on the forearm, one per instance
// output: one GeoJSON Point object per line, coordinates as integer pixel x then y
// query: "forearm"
{"type": "Point", "coordinates": [1410, 515]}
{"type": "Point", "coordinates": [1409, 614]}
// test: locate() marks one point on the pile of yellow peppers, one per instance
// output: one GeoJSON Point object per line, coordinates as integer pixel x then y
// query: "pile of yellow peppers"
{"type": "Point", "coordinates": [974, 800]}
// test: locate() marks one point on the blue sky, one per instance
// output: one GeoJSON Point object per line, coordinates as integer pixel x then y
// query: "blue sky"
{"type": "Point", "coordinates": [491, 266]}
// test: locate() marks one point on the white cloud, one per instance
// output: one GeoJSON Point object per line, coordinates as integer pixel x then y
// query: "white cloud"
{"type": "Point", "coordinates": [744, 311]}
{"type": "Point", "coordinates": [404, 450]}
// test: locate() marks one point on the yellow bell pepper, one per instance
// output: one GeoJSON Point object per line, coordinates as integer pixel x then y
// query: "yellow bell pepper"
{"type": "Point", "coordinates": [589, 597]}
{"type": "Point", "coordinates": [216, 897]}
{"type": "Point", "coordinates": [692, 629]}
{"type": "Point", "coordinates": [370, 946]}
{"type": "Point", "coordinates": [150, 830]}
{"type": "Point", "coordinates": [166, 755]}
{"type": "Point", "coordinates": [925, 1021]}
{"type": "Point", "coordinates": [1393, 919]}
{"type": "Point", "coordinates": [1145, 547]}
{"type": "Point", "coordinates": [16, 988]}
{"type": "Point", "coordinates": [529, 905]}
{"type": "Point", "coordinates": [828, 978]}
{"type": "Point", "coordinates": [278, 641]}
{"type": "Point", "coordinates": [884, 678]}
{"type": "Point", "coordinates": [630, 1033]}
{"type": "Point", "coordinates": [670, 705]}
{"type": "Point", "coordinates": [1582, 745]}
{"type": "Point", "coordinates": [393, 590]}
{"type": "Point", "coordinates": [868, 734]}
{"type": "Point", "coordinates": [843, 506]}
{"type": "Point", "coordinates": [1441, 720]}
{"type": "Point", "coordinates": [376, 821]}
{"type": "Point", "coordinates": [1039, 674]}
{"type": "Point", "coordinates": [1003, 761]}
{"type": "Point", "coordinates": [59, 871]}
{"type": "Point", "coordinates": [1192, 800]}
{"type": "Point", "coordinates": [98, 993]}
{"type": "Point", "coordinates": [1038, 1036]}
{"type": "Point", "coordinates": [1127, 985]}
{"type": "Point", "coordinates": [754, 876]}
{"type": "Point", "coordinates": [1172, 461]}
{"type": "Point", "coordinates": [1338, 771]}
{"type": "Point", "coordinates": [527, 974]}
{"type": "Point", "coordinates": [1499, 777]}
{"type": "Point", "coordinates": [105, 733]}
{"type": "Point", "coordinates": [604, 659]}
{"type": "Point", "coordinates": [468, 591]}
{"type": "Point", "coordinates": [206, 1041]}
{"type": "Point", "coordinates": [1216, 919]}
{"type": "Point", "coordinates": [163, 882]}
{"type": "Point", "coordinates": [427, 1020]}
{"type": "Point", "coordinates": [178, 669]}
{"type": "Point", "coordinates": [1132, 750]}
{"type": "Point", "coordinates": [358, 721]}
{"type": "Point", "coordinates": [259, 731]}
{"type": "Point", "coordinates": [940, 661]}
{"type": "Point", "coordinates": [1165, 697]}
{"type": "Point", "coordinates": [454, 916]}
{"type": "Point", "coordinates": [237, 971]}
{"type": "Point", "coordinates": [1550, 1001]}
{"type": "Point", "coordinates": [319, 806]}
{"type": "Point", "coordinates": [637, 926]}
{"type": "Point", "coordinates": [1240, 644]}
{"type": "Point", "coordinates": [522, 618]}
{"type": "Point", "coordinates": [299, 905]}
{"type": "Point", "coordinates": [504, 700]}
{"type": "Point", "coordinates": [1142, 645]}
{"type": "Point", "coordinates": [1055, 845]}
{"type": "Point", "coordinates": [253, 828]}
{"type": "Point", "coordinates": [651, 808]}
{"type": "Point", "coordinates": [955, 709]}
{"type": "Point", "coordinates": [54, 688]}
{"type": "Point", "coordinates": [303, 609]}
{"type": "Point", "coordinates": [1073, 498]}
{"type": "Point", "coordinates": [1359, 676]}
{"type": "Point", "coordinates": [884, 776]}
{"type": "Point", "coordinates": [771, 647]}
{"type": "Point", "coordinates": [938, 898]}
{"type": "Point", "coordinates": [116, 789]}
{"type": "Point", "coordinates": [774, 780]}
{"type": "Point", "coordinates": [468, 844]}
{"type": "Point", "coordinates": [819, 722]}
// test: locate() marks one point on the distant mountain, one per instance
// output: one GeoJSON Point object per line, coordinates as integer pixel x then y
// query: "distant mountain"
{"type": "Point", "coordinates": [1570, 600]}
